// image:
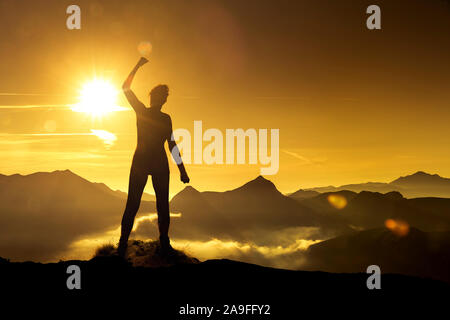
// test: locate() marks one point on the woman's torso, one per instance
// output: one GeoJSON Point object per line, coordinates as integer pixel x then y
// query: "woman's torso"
{"type": "Point", "coordinates": [153, 129]}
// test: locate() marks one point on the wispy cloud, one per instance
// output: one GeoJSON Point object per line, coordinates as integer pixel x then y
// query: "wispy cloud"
{"type": "Point", "coordinates": [30, 94]}
{"type": "Point", "coordinates": [71, 107]}
{"type": "Point", "coordinates": [296, 155]}
{"type": "Point", "coordinates": [304, 159]}
{"type": "Point", "coordinates": [47, 134]}
{"type": "Point", "coordinates": [108, 138]}
{"type": "Point", "coordinates": [280, 98]}
{"type": "Point", "coordinates": [33, 106]}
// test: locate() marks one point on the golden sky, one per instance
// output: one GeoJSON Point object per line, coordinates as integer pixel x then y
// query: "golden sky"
{"type": "Point", "coordinates": [352, 105]}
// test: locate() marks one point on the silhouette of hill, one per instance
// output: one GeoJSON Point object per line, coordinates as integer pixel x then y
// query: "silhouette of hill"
{"type": "Point", "coordinates": [242, 214]}
{"type": "Point", "coordinates": [303, 194]}
{"type": "Point", "coordinates": [60, 207]}
{"type": "Point", "coordinates": [255, 210]}
{"type": "Point", "coordinates": [369, 186]}
{"type": "Point", "coordinates": [124, 195]}
{"type": "Point", "coordinates": [258, 185]}
{"type": "Point", "coordinates": [371, 209]}
{"type": "Point", "coordinates": [436, 207]}
{"type": "Point", "coordinates": [49, 210]}
{"type": "Point", "coordinates": [416, 253]}
{"type": "Point", "coordinates": [366, 210]}
{"type": "Point", "coordinates": [321, 203]}
{"type": "Point", "coordinates": [164, 290]}
{"type": "Point", "coordinates": [419, 184]}
{"type": "Point", "coordinates": [421, 178]}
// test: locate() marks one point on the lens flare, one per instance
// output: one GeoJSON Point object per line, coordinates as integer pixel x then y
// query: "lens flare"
{"type": "Point", "coordinates": [145, 49]}
{"type": "Point", "coordinates": [50, 126]}
{"type": "Point", "coordinates": [337, 201]}
{"type": "Point", "coordinates": [398, 227]}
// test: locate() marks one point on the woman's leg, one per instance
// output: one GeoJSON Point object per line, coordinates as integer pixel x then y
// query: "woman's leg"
{"type": "Point", "coordinates": [138, 180]}
{"type": "Point", "coordinates": [161, 186]}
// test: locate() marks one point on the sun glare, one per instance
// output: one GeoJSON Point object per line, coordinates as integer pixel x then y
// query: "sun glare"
{"type": "Point", "coordinates": [97, 98]}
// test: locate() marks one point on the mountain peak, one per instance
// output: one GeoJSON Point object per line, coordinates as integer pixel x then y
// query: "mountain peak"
{"type": "Point", "coordinates": [188, 195]}
{"type": "Point", "coordinates": [189, 190]}
{"type": "Point", "coordinates": [259, 184]}
{"type": "Point", "coordinates": [260, 180]}
{"type": "Point", "coordinates": [64, 172]}
{"type": "Point", "coordinates": [422, 174]}
{"type": "Point", "coordinates": [420, 177]}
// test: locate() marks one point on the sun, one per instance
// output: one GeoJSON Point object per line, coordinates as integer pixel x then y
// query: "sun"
{"type": "Point", "coordinates": [98, 97]}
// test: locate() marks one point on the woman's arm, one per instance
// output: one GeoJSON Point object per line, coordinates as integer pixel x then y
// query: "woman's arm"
{"type": "Point", "coordinates": [131, 97]}
{"type": "Point", "coordinates": [176, 154]}
{"type": "Point", "coordinates": [177, 157]}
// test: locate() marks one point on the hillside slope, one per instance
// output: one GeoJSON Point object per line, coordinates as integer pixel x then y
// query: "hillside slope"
{"type": "Point", "coordinates": [416, 253]}
{"type": "Point", "coordinates": [216, 283]}
{"type": "Point", "coordinates": [42, 213]}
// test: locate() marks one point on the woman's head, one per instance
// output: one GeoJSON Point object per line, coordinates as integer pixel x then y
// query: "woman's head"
{"type": "Point", "coordinates": [158, 96]}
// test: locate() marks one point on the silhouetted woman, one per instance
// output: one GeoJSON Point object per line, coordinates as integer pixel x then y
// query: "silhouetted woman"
{"type": "Point", "coordinates": [154, 128]}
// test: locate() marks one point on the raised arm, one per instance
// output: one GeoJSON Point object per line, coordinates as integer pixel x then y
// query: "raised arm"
{"type": "Point", "coordinates": [131, 97]}
{"type": "Point", "coordinates": [177, 156]}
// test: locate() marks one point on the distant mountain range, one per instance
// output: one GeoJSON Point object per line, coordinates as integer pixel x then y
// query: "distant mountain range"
{"type": "Point", "coordinates": [41, 214]}
{"type": "Point", "coordinates": [257, 210]}
{"type": "Point", "coordinates": [257, 205]}
{"type": "Point", "coordinates": [419, 184]}
{"type": "Point", "coordinates": [304, 194]}
{"type": "Point", "coordinates": [253, 212]}
{"type": "Point", "coordinates": [259, 213]}
{"type": "Point", "coordinates": [124, 195]}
